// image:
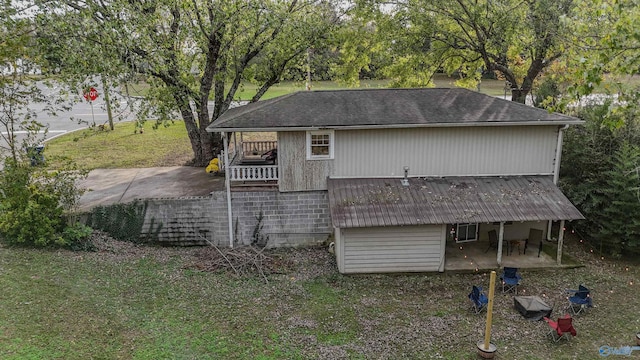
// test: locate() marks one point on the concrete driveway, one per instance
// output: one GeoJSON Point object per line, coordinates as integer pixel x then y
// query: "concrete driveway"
{"type": "Point", "coordinates": [111, 186]}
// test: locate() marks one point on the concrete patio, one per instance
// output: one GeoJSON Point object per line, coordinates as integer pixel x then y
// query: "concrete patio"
{"type": "Point", "coordinates": [478, 256]}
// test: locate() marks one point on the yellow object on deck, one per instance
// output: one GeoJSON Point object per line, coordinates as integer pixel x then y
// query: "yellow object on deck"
{"type": "Point", "coordinates": [213, 166]}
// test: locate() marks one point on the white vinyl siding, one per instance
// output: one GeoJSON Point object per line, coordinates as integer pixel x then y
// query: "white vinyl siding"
{"type": "Point", "coordinates": [453, 151]}
{"type": "Point", "coordinates": [391, 249]}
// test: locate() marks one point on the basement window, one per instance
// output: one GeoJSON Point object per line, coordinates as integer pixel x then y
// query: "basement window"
{"type": "Point", "coordinates": [320, 145]}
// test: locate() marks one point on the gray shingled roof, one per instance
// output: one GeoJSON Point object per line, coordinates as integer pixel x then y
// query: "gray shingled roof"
{"type": "Point", "coordinates": [449, 200]}
{"type": "Point", "coordinates": [382, 108]}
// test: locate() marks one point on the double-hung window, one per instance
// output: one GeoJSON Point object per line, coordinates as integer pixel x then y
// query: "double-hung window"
{"type": "Point", "coordinates": [320, 145]}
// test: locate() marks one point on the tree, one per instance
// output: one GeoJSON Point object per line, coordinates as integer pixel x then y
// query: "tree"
{"type": "Point", "coordinates": [193, 51]}
{"type": "Point", "coordinates": [620, 220]}
{"type": "Point", "coordinates": [33, 199]}
{"type": "Point", "coordinates": [599, 174]}
{"type": "Point", "coordinates": [515, 38]}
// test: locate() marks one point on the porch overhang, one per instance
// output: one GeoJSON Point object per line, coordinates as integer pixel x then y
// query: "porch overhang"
{"type": "Point", "coordinates": [446, 200]}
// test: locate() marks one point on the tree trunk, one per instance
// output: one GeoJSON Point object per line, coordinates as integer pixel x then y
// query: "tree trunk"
{"type": "Point", "coordinates": [194, 136]}
{"type": "Point", "coordinates": [519, 95]}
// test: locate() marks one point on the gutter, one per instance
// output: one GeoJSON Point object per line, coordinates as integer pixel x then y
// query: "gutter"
{"type": "Point", "coordinates": [389, 126]}
{"type": "Point", "coordinates": [556, 176]}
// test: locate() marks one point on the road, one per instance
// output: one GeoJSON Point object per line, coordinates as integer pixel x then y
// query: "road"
{"type": "Point", "coordinates": [81, 114]}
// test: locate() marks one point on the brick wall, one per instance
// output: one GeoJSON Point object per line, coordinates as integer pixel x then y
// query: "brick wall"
{"type": "Point", "coordinates": [288, 219]}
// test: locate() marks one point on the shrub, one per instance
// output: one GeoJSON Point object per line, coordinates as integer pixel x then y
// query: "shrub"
{"type": "Point", "coordinates": [33, 202]}
{"type": "Point", "coordinates": [77, 237]}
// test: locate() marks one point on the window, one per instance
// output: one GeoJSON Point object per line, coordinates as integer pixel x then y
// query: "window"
{"type": "Point", "coordinates": [319, 145]}
{"type": "Point", "coordinates": [467, 232]}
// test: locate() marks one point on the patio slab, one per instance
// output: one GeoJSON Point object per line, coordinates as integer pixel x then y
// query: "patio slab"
{"type": "Point", "coordinates": [478, 256]}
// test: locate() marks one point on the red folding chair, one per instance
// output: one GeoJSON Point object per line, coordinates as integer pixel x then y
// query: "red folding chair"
{"type": "Point", "coordinates": [562, 328]}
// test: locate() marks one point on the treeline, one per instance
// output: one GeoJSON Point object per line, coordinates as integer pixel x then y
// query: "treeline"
{"type": "Point", "coordinates": [600, 173]}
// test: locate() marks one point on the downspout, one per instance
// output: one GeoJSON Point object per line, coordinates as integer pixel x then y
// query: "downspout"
{"type": "Point", "coordinates": [500, 240]}
{"type": "Point", "coordinates": [227, 183]}
{"type": "Point", "coordinates": [556, 170]}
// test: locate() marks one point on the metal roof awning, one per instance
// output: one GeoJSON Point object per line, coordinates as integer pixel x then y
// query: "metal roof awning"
{"type": "Point", "coordinates": [446, 200]}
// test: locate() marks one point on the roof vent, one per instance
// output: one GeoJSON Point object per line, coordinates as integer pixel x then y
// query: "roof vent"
{"type": "Point", "coordinates": [405, 181]}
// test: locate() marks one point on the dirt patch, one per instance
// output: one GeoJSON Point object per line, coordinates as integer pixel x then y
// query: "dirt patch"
{"type": "Point", "coordinates": [295, 264]}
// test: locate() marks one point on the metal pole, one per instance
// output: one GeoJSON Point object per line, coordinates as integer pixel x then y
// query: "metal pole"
{"type": "Point", "coordinates": [308, 69]}
{"type": "Point", "coordinates": [560, 242]}
{"type": "Point", "coordinates": [487, 330]}
{"type": "Point", "coordinates": [227, 169]}
{"type": "Point", "coordinates": [92, 116]}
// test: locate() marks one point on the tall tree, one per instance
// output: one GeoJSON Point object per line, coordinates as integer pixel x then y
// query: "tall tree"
{"type": "Point", "coordinates": [517, 39]}
{"type": "Point", "coordinates": [18, 63]}
{"type": "Point", "coordinates": [194, 51]}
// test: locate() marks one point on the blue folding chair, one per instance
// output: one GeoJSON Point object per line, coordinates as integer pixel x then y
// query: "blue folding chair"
{"type": "Point", "coordinates": [478, 299]}
{"type": "Point", "coordinates": [510, 279]}
{"type": "Point", "coordinates": [580, 300]}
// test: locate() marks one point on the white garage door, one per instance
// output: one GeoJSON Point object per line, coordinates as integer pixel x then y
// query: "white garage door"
{"type": "Point", "coordinates": [391, 249]}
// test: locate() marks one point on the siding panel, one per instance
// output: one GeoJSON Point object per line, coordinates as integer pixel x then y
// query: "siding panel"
{"type": "Point", "coordinates": [296, 173]}
{"type": "Point", "coordinates": [392, 249]}
{"type": "Point", "coordinates": [455, 151]}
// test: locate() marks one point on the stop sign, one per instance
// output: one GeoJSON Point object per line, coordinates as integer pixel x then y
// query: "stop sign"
{"type": "Point", "coordinates": [91, 95]}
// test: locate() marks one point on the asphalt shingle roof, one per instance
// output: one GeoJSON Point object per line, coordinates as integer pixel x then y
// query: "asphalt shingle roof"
{"type": "Point", "coordinates": [382, 108]}
{"type": "Point", "coordinates": [447, 200]}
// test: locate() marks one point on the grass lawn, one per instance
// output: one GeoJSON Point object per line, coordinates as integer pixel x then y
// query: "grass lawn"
{"type": "Point", "coordinates": [122, 148]}
{"type": "Point", "coordinates": [488, 86]}
{"type": "Point", "coordinates": [169, 146]}
{"type": "Point", "coordinates": [131, 302]}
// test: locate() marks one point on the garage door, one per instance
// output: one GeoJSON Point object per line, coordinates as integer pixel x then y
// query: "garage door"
{"type": "Point", "coordinates": [391, 249]}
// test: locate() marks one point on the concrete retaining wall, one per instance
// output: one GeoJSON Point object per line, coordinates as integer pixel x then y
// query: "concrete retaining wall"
{"type": "Point", "coordinates": [286, 219]}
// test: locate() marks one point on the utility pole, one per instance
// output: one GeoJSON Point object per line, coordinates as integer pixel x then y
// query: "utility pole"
{"type": "Point", "coordinates": [308, 69]}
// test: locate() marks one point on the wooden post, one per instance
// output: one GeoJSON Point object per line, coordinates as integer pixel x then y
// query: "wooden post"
{"type": "Point", "coordinates": [560, 241]}
{"type": "Point", "coordinates": [487, 329]}
{"type": "Point", "coordinates": [486, 349]}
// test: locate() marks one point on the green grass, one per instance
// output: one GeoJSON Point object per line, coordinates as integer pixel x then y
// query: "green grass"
{"type": "Point", "coordinates": [247, 90]}
{"type": "Point", "coordinates": [169, 146]}
{"type": "Point", "coordinates": [122, 148]}
{"type": "Point", "coordinates": [63, 305]}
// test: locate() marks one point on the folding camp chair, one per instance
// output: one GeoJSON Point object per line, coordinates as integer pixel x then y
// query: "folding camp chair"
{"type": "Point", "coordinates": [580, 300]}
{"type": "Point", "coordinates": [561, 329]}
{"type": "Point", "coordinates": [478, 299]}
{"type": "Point", "coordinates": [510, 279]}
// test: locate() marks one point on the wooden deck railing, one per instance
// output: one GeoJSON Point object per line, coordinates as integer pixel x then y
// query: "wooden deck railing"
{"type": "Point", "coordinates": [253, 172]}
{"type": "Point", "coordinates": [257, 147]}
{"type": "Point", "coordinates": [258, 172]}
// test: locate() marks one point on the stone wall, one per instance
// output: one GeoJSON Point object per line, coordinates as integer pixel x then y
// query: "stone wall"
{"type": "Point", "coordinates": [284, 219]}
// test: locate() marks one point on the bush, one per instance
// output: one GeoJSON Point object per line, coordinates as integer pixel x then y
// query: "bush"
{"type": "Point", "coordinates": [33, 202]}
{"type": "Point", "coordinates": [77, 237]}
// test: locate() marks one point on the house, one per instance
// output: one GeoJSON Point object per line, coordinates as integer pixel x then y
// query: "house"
{"type": "Point", "coordinates": [403, 171]}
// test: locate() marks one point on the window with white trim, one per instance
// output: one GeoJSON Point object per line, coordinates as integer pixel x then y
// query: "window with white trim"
{"type": "Point", "coordinates": [467, 232]}
{"type": "Point", "coordinates": [320, 145]}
